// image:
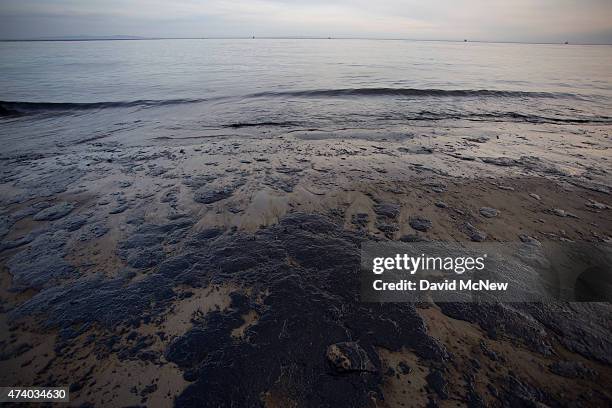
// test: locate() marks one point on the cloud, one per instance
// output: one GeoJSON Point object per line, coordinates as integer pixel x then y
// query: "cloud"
{"type": "Point", "coordinates": [518, 20]}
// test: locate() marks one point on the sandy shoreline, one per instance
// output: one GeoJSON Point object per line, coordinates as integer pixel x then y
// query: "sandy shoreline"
{"type": "Point", "coordinates": [169, 262]}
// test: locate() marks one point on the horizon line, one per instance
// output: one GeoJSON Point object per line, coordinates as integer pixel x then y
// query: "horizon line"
{"type": "Point", "coordinates": [84, 38]}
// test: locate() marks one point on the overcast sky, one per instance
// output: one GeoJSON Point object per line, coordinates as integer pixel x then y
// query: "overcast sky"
{"type": "Point", "coordinates": [489, 20]}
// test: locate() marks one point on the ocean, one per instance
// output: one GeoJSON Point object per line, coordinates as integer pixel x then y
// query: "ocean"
{"type": "Point", "coordinates": [56, 94]}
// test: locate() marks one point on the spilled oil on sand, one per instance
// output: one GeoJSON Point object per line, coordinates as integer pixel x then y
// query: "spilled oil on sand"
{"type": "Point", "coordinates": [220, 271]}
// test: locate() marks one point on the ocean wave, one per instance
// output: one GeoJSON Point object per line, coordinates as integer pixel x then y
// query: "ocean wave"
{"type": "Point", "coordinates": [13, 108]}
{"type": "Point", "coordinates": [504, 116]}
{"type": "Point", "coordinates": [520, 117]}
{"type": "Point", "coordinates": [9, 108]}
{"type": "Point", "coordinates": [425, 116]}
{"type": "Point", "coordinates": [239, 125]}
{"type": "Point", "coordinates": [317, 93]}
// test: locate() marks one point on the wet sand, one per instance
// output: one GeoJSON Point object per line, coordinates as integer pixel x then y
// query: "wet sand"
{"type": "Point", "coordinates": [220, 270]}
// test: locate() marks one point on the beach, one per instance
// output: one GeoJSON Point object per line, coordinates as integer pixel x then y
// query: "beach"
{"type": "Point", "coordinates": [132, 233]}
{"type": "Point", "coordinates": [218, 266]}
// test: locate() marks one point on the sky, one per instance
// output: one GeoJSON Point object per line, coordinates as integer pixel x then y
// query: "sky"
{"type": "Point", "coordinates": [577, 21]}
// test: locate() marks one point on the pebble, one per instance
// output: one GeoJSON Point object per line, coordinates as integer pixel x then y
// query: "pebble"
{"type": "Point", "coordinates": [562, 213]}
{"type": "Point", "coordinates": [596, 205]}
{"type": "Point", "coordinates": [488, 212]}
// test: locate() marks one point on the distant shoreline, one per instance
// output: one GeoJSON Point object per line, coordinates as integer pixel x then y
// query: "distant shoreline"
{"type": "Point", "coordinates": [68, 39]}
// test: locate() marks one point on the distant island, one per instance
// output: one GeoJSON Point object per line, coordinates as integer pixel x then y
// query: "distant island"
{"type": "Point", "coordinates": [84, 38]}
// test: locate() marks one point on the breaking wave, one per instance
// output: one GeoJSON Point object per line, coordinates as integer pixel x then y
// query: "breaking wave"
{"type": "Point", "coordinates": [10, 108]}
{"type": "Point", "coordinates": [413, 92]}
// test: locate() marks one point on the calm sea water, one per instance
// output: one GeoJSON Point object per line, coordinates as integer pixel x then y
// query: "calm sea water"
{"type": "Point", "coordinates": [58, 93]}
